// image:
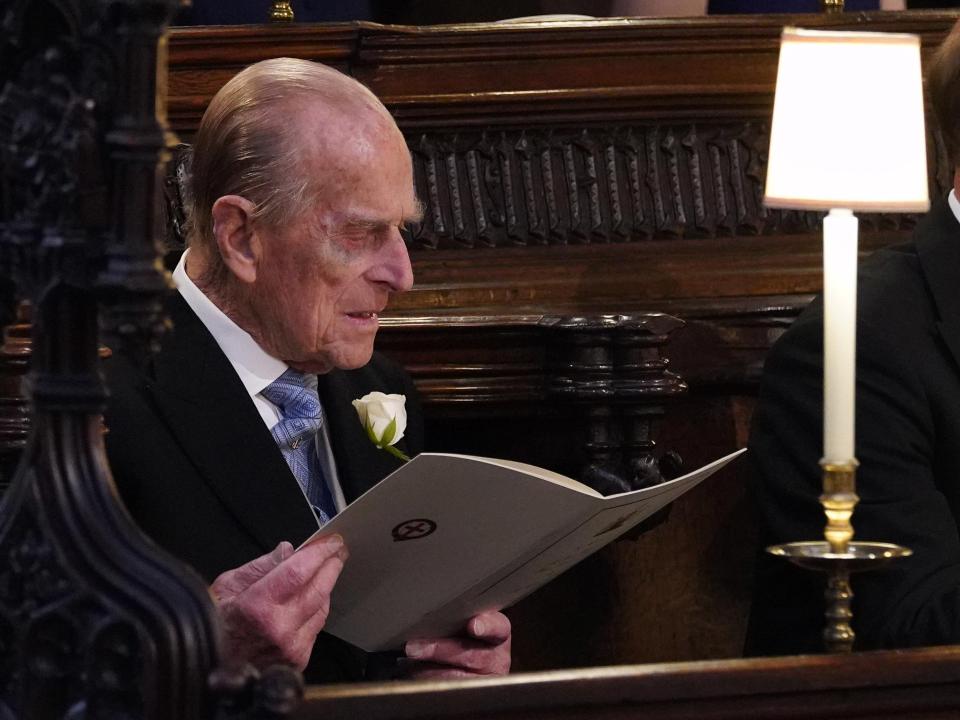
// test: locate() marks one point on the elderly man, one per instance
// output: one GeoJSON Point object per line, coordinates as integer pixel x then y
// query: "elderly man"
{"type": "Point", "coordinates": [908, 435]}
{"type": "Point", "coordinates": [239, 439]}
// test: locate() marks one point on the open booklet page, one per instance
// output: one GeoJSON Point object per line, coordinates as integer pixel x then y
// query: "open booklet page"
{"type": "Point", "coordinates": [447, 536]}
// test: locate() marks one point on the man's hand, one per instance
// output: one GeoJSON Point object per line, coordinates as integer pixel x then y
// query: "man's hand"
{"type": "Point", "coordinates": [274, 606]}
{"type": "Point", "coordinates": [484, 651]}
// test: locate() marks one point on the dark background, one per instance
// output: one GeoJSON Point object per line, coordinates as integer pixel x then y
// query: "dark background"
{"type": "Point", "coordinates": [430, 12]}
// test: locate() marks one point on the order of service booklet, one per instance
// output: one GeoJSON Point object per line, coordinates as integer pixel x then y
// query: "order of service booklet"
{"type": "Point", "coordinates": [448, 536]}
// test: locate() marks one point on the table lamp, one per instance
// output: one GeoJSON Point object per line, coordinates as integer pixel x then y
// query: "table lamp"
{"type": "Point", "coordinates": [847, 134]}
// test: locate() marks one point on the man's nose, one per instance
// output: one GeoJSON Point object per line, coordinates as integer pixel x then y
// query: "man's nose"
{"type": "Point", "coordinates": [396, 269]}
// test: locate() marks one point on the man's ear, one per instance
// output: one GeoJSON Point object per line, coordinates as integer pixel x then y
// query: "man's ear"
{"type": "Point", "coordinates": [238, 242]}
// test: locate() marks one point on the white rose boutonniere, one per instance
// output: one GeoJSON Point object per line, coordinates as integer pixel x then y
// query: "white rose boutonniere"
{"type": "Point", "coordinates": [384, 417]}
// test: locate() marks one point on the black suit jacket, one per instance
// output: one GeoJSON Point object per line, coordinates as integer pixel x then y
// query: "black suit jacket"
{"type": "Point", "coordinates": [201, 474]}
{"type": "Point", "coordinates": [907, 442]}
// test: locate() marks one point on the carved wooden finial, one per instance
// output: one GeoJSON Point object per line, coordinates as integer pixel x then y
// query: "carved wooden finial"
{"type": "Point", "coordinates": [612, 367]}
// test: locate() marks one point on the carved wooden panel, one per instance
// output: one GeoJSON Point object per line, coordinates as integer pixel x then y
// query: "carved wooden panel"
{"type": "Point", "coordinates": [604, 185]}
{"type": "Point", "coordinates": [596, 185]}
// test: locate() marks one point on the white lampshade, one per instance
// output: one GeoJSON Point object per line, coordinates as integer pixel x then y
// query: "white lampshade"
{"type": "Point", "coordinates": [848, 126]}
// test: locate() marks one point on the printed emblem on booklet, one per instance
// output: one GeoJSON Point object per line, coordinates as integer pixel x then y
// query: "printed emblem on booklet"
{"type": "Point", "coordinates": [415, 529]}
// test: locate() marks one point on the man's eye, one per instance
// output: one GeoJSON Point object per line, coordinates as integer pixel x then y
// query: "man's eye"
{"type": "Point", "coordinates": [358, 237]}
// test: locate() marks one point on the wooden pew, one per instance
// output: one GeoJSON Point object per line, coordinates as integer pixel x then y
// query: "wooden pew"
{"type": "Point", "coordinates": [916, 684]}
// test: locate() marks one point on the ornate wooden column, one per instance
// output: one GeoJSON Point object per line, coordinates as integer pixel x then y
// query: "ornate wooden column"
{"type": "Point", "coordinates": [612, 366]}
{"type": "Point", "coordinates": [14, 407]}
{"type": "Point", "coordinates": [95, 621]}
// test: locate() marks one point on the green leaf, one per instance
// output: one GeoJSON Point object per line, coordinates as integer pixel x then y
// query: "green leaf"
{"type": "Point", "coordinates": [389, 432]}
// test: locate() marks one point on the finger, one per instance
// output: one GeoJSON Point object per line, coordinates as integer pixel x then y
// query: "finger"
{"type": "Point", "coordinates": [233, 582]}
{"type": "Point", "coordinates": [476, 656]}
{"type": "Point", "coordinates": [283, 631]}
{"type": "Point", "coordinates": [288, 580]}
{"type": "Point", "coordinates": [301, 595]}
{"type": "Point", "coordinates": [307, 613]}
{"type": "Point", "coordinates": [413, 670]}
{"type": "Point", "coordinates": [319, 595]}
{"type": "Point", "coordinates": [492, 627]}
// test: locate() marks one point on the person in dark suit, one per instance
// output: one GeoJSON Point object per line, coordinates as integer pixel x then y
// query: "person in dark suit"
{"type": "Point", "coordinates": [907, 436]}
{"type": "Point", "coordinates": [239, 438]}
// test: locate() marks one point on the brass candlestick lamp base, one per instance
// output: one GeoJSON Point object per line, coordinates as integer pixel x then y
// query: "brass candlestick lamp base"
{"type": "Point", "coordinates": [839, 555]}
{"type": "Point", "coordinates": [831, 6]}
{"type": "Point", "coordinates": [281, 11]}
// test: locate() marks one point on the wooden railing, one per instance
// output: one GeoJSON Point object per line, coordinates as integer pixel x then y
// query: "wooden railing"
{"type": "Point", "coordinates": [916, 684]}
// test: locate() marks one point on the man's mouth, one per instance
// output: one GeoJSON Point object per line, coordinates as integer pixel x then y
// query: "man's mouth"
{"type": "Point", "coordinates": [363, 315]}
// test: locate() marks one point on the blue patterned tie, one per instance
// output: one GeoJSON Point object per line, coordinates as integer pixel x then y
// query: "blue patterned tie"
{"type": "Point", "coordinates": [296, 435]}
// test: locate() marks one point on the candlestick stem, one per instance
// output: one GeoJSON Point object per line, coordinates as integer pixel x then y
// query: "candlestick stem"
{"type": "Point", "coordinates": [838, 500]}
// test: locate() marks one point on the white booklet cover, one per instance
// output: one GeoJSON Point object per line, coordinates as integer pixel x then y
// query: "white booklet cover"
{"type": "Point", "coordinates": [448, 536]}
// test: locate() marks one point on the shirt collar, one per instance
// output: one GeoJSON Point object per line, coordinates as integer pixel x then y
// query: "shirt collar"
{"type": "Point", "coordinates": [256, 368]}
{"type": "Point", "coordinates": [954, 204]}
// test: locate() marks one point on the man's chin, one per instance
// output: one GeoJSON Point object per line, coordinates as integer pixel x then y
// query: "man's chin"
{"type": "Point", "coordinates": [353, 361]}
{"type": "Point", "coordinates": [333, 361]}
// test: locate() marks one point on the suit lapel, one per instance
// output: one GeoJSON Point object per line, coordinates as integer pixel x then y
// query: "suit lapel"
{"type": "Point", "coordinates": [360, 464]}
{"type": "Point", "coordinates": [208, 410]}
{"type": "Point", "coordinates": [938, 246]}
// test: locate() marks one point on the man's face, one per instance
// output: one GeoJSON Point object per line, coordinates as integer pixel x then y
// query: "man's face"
{"type": "Point", "coordinates": [322, 283]}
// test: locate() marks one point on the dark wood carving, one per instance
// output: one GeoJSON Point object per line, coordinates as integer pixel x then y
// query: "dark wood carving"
{"type": "Point", "coordinates": [592, 185]}
{"type": "Point", "coordinates": [14, 411]}
{"type": "Point", "coordinates": [581, 395]}
{"type": "Point", "coordinates": [95, 621]}
{"type": "Point", "coordinates": [613, 369]}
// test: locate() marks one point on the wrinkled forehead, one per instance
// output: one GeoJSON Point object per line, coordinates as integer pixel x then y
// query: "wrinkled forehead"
{"type": "Point", "coordinates": [352, 130]}
{"type": "Point", "coordinates": [359, 157]}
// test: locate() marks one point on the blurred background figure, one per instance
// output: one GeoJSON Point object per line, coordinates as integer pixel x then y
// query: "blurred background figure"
{"type": "Point", "coordinates": [670, 8]}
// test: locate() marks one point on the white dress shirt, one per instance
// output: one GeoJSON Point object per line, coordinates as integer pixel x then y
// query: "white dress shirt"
{"type": "Point", "coordinates": [954, 204]}
{"type": "Point", "coordinates": [254, 366]}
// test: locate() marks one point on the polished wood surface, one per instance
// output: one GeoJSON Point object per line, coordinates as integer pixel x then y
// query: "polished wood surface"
{"type": "Point", "coordinates": [917, 684]}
